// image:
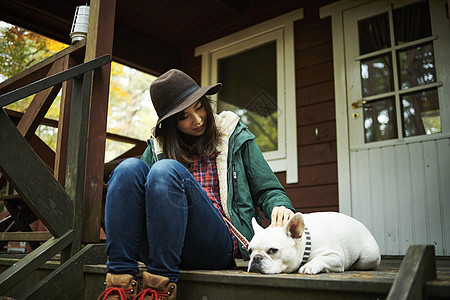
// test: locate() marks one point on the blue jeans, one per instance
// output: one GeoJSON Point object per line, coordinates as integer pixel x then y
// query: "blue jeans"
{"type": "Point", "coordinates": [163, 218]}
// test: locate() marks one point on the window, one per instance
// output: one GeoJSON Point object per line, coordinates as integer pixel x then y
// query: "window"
{"type": "Point", "coordinates": [250, 90]}
{"type": "Point", "coordinates": [257, 68]}
{"type": "Point", "coordinates": [398, 74]}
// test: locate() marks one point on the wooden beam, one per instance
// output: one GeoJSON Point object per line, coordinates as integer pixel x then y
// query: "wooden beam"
{"type": "Point", "coordinates": [76, 154]}
{"type": "Point", "coordinates": [68, 279]}
{"type": "Point", "coordinates": [40, 104]}
{"type": "Point", "coordinates": [36, 236]}
{"type": "Point", "coordinates": [63, 124]}
{"type": "Point", "coordinates": [50, 81]}
{"type": "Point", "coordinates": [32, 179]}
{"type": "Point", "coordinates": [99, 42]}
{"type": "Point", "coordinates": [418, 267]}
{"type": "Point", "coordinates": [124, 139]}
{"type": "Point", "coordinates": [16, 115]}
{"type": "Point", "coordinates": [133, 152]}
{"type": "Point", "coordinates": [21, 269]}
{"type": "Point", "coordinates": [44, 152]}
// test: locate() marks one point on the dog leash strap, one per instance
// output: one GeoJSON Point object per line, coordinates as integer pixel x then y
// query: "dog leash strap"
{"type": "Point", "coordinates": [237, 234]}
{"type": "Point", "coordinates": [307, 248]}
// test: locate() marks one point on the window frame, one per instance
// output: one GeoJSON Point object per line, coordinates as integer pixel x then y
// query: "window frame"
{"type": "Point", "coordinates": [280, 30]}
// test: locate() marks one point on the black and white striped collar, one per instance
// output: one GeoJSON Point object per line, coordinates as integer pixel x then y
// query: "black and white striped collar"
{"type": "Point", "coordinates": [307, 252]}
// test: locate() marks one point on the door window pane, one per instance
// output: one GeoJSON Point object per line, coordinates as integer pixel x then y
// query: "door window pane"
{"type": "Point", "coordinates": [374, 34]}
{"type": "Point", "coordinates": [412, 22]}
{"type": "Point", "coordinates": [420, 113]}
{"type": "Point", "coordinates": [376, 75]}
{"type": "Point", "coordinates": [416, 66]}
{"type": "Point", "coordinates": [250, 90]}
{"type": "Point", "coordinates": [380, 121]}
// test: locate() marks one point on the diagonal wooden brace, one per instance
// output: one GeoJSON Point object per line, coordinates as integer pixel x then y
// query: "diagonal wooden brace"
{"type": "Point", "coordinates": [32, 179]}
{"type": "Point", "coordinates": [50, 81]}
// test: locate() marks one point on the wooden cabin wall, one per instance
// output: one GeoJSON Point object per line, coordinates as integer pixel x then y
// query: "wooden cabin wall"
{"type": "Point", "coordinates": [317, 189]}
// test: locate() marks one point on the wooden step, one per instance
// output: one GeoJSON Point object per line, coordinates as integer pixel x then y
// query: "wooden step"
{"type": "Point", "coordinates": [239, 284]}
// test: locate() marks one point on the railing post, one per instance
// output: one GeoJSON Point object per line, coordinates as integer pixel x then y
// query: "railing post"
{"type": "Point", "coordinates": [99, 42]}
{"type": "Point", "coordinates": [76, 154]}
{"type": "Point", "coordinates": [418, 266]}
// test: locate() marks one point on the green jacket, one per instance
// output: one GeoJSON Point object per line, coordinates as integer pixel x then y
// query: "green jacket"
{"type": "Point", "coordinates": [246, 182]}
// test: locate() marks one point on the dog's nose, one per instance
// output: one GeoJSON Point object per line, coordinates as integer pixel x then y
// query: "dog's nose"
{"type": "Point", "coordinates": [257, 258]}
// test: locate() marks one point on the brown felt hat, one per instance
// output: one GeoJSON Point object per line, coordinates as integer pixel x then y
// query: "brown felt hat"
{"type": "Point", "coordinates": [175, 91]}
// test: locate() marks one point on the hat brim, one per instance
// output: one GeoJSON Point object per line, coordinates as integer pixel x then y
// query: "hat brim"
{"type": "Point", "coordinates": [191, 99]}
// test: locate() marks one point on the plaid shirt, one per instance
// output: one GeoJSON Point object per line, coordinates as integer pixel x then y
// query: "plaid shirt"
{"type": "Point", "coordinates": [204, 169]}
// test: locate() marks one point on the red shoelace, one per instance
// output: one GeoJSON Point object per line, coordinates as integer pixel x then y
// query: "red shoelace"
{"type": "Point", "coordinates": [155, 295]}
{"type": "Point", "coordinates": [116, 291]}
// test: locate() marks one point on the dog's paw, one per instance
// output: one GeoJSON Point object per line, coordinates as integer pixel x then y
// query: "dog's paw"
{"type": "Point", "coordinates": [310, 269]}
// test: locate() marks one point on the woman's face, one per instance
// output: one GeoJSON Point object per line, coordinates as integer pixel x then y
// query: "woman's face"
{"type": "Point", "coordinates": [193, 120]}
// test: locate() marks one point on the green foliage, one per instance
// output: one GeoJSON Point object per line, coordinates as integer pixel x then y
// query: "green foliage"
{"type": "Point", "coordinates": [20, 49]}
{"type": "Point", "coordinates": [130, 111]}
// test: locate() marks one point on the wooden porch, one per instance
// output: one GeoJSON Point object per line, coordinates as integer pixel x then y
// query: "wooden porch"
{"type": "Point", "coordinates": [68, 263]}
{"type": "Point", "coordinates": [60, 190]}
{"type": "Point", "coordinates": [390, 281]}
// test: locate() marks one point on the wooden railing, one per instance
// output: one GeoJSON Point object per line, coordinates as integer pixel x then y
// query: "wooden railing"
{"type": "Point", "coordinates": [42, 193]}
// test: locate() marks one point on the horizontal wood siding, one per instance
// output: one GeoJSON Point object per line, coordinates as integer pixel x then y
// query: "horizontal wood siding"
{"type": "Point", "coordinates": [402, 195]}
{"type": "Point", "coordinates": [317, 158]}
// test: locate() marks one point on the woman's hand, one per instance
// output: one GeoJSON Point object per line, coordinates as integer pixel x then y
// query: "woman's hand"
{"type": "Point", "coordinates": [280, 216]}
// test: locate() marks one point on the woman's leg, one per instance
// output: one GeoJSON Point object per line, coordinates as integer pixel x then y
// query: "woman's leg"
{"type": "Point", "coordinates": [184, 227]}
{"type": "Point", "coordinates": [124, 216]}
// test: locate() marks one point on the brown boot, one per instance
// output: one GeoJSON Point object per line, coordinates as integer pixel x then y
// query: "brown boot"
{"type": "Point", "coordinates": [157, 287]}
{"type": "Point", "coordinates": [119, 287]}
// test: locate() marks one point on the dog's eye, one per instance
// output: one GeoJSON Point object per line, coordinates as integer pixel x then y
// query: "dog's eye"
{"type": "Point", "coordinates": [249, 251]}
{"type": "Point", "coordinates": [272, 251]}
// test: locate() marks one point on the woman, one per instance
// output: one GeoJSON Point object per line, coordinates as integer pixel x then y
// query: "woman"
{"type": "Point", "coordinates": [168, 209]}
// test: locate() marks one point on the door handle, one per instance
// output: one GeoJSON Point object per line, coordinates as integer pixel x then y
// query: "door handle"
{"type": "Point", "coordinates": [358, 104]}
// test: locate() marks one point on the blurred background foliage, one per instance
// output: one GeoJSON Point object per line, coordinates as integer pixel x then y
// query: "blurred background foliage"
{"type": "Point", "coordinates": [130, 111]}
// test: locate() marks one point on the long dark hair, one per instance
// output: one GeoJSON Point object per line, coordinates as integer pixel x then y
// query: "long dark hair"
{"type": "Point", "coordinates": [179, 146]}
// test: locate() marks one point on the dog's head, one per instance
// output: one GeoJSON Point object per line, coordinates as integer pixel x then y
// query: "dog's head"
{"type": "Point", "coordinates": [276, 249]}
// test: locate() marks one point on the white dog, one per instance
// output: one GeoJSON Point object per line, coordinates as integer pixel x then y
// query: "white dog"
{"type": "Point", "coordinates": [313, 243]}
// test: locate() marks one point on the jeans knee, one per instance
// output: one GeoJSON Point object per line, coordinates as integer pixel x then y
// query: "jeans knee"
{"type": "Point", "coordinates": [163, 167]}
{"type": "Point", "coordinates": [130, 169]}
{"type": "Point", "coordinates": [166, 175]}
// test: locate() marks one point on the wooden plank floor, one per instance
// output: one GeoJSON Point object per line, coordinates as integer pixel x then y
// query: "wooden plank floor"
{"type": "Point", "coordinates": [239, 284]}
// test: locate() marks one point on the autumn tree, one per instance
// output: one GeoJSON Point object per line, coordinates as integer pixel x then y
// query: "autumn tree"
{"type": "Point", "coordinates": [130, 110]}
{"type": "Point", "coordinates": [19, 50]}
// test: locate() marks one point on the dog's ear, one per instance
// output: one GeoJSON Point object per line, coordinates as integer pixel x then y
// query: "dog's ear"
{"type": "Point", "coordinates": [295, 227]}
{"type": "Point", "coordinates": [256, 226]}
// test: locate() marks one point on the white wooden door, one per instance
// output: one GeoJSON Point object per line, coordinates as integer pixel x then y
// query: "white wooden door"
{"type": "Point", "coordinates": [398, 103]}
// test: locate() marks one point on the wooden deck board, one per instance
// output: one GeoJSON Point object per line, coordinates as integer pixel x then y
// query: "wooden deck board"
{"type": "Point", "coordinates": [224, 283]}
{"type": "Point", "coordinates": [357, 283]}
